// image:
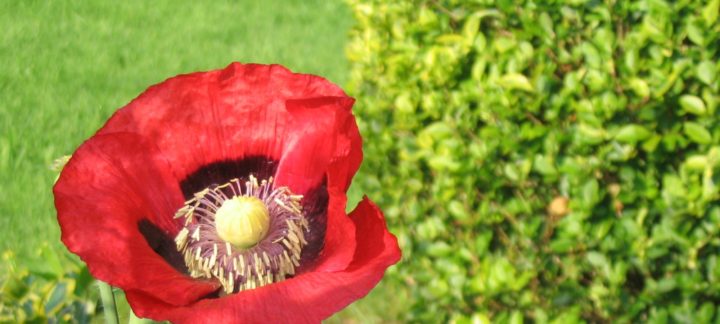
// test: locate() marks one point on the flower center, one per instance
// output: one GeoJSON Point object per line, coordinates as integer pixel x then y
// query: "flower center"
{"type": "Point", "coordinates": [242, 221]}
{"type": "Point", "coordinates": [246, 235]}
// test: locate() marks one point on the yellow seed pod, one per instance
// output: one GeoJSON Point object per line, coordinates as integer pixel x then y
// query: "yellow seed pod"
{"type": "Point", "coordinates": [242, 221]}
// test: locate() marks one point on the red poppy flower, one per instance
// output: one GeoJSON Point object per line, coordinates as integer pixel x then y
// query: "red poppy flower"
{"type": "Point", "coordinates": [220, 197]}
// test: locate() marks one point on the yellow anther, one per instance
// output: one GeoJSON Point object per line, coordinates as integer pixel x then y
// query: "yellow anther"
{"type": "Point", "coordinates": [243, 221]}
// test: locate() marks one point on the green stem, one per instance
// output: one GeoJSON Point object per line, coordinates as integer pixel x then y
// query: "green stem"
{"type": "Point", "coordinates": [108, 300]}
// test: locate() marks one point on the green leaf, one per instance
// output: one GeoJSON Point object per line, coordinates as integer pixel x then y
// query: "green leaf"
{"type": "Point", "coordinates": [707, 310]}
{"type": "Point", "coordinates": [471, 27]}
{"type": "Point", "coordinates": [706, 71]}
{"type": "Point", "coordinates": [696, 32]}
{"type": "Point", "coordinates": [562, 245]}
{"type": "Point", "coordinates": [674, 186]}
{"type": "Point", "coordinates": [710, 12]}
{"type": "Point", "coordinates": [632, 133]}
{"type": "Point", "coordinates": [516, 81]}
{"type": "Point", "coordinates": [651, 144]}
{"type": "Point", "coordinates": [59, 293]}
{"type": "Point", "coordinates": [439, 249]}
{"type": "Point", "coordinates": [692, 104]}
{"type": "Point", "coordinates": [547, 25]}
{"type": "Point", "coordinates": [640, 87]}
{"type": "Point", "coordinates": [590, 193]}
{"type": "Point", "coordinates": [457, 209]}
{"type": "Point", "coordinates": [696, 162]}
{"type": "Point", "coordinates": [597, 259]}
{"type": "Point", "coordinates": [591, 134]}
{"type": "Point", "coordinates": [511, 172]}
{"type": "Point", "coordinates": [544, 165]}
{"type": "Point", "coordinates": [403, 103]}
{"type": "Point", "coordinates": [516, 318]}
{"type": "Point", "coordinates": [697, 133]}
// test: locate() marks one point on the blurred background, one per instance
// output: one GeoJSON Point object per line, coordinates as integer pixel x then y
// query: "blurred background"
{"type": "Point", "coordinates": [539, 161]}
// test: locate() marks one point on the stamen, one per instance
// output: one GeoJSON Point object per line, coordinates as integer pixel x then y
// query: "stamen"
{"type": "Point", "coordinates": [232, 187]}
{"type": "Point", "coordinates": [181, 239]}
{"type": "Point", "coordinates": [266, 259]}
{"type": "Point", "coordinates": [273, 258]}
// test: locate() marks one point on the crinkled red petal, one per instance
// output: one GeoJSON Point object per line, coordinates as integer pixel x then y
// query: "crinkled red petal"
{"type": "Point", "coordinates": [324, 141]}
{"type": "Point", "coordinates": [228, 114]}
{"type": "Point", "coordinates": [318, 136]}
{"type": "Point", "coordinates": [111, 183]}
{"type": "Point", "coordinates": [307, 298]}
{"type": "Point", "coordinates": [340, 242]}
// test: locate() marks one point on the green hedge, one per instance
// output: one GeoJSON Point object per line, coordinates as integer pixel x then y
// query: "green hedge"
{"type": "Point", "coordinates": [545, 161]}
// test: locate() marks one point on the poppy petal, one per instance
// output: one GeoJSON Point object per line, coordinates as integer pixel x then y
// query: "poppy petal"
{"type": "Point", "coordinates": [228, 114]}
{"type": "Point", "coordinates": [340, 239]}
{"type": "Point", "coordinates": [323, 140]}
{"type": "Point", "coordinates": [104, 195]}
{"type": "Point", "coordinates": [316, 136]}
{"type": "Point", "coordinates": [307, 298]}
{"type": "Point", "coordinates": [343, 169]}
{"type": "Point", "coordinates": [340, 242]}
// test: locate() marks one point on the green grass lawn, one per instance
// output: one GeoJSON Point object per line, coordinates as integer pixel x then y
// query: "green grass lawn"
{"type": "Point", "coordinates": [66, 66]}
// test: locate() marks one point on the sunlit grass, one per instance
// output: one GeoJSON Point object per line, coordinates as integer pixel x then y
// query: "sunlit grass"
{"type": "Point", "coordinates": [66, 66]}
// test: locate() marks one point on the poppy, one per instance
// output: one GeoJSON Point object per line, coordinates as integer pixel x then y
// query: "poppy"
{"type": "Point", "coordinates": [220, 197]}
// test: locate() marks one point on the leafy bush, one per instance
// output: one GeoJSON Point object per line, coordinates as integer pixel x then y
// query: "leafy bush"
{"type": "Point", "coordinates": [50, 287]}
{"type": "Point", "coordinates": [545, 160]}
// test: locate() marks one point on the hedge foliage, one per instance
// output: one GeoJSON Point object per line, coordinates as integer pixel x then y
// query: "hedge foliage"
{"type": "Point", "coordinates": [545, 160]}
{"type": "Point", "coordinates": [52, 287]}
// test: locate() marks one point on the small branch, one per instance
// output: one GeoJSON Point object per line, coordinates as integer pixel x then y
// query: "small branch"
{"type": "Point", "coordinates": [108, 300]}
